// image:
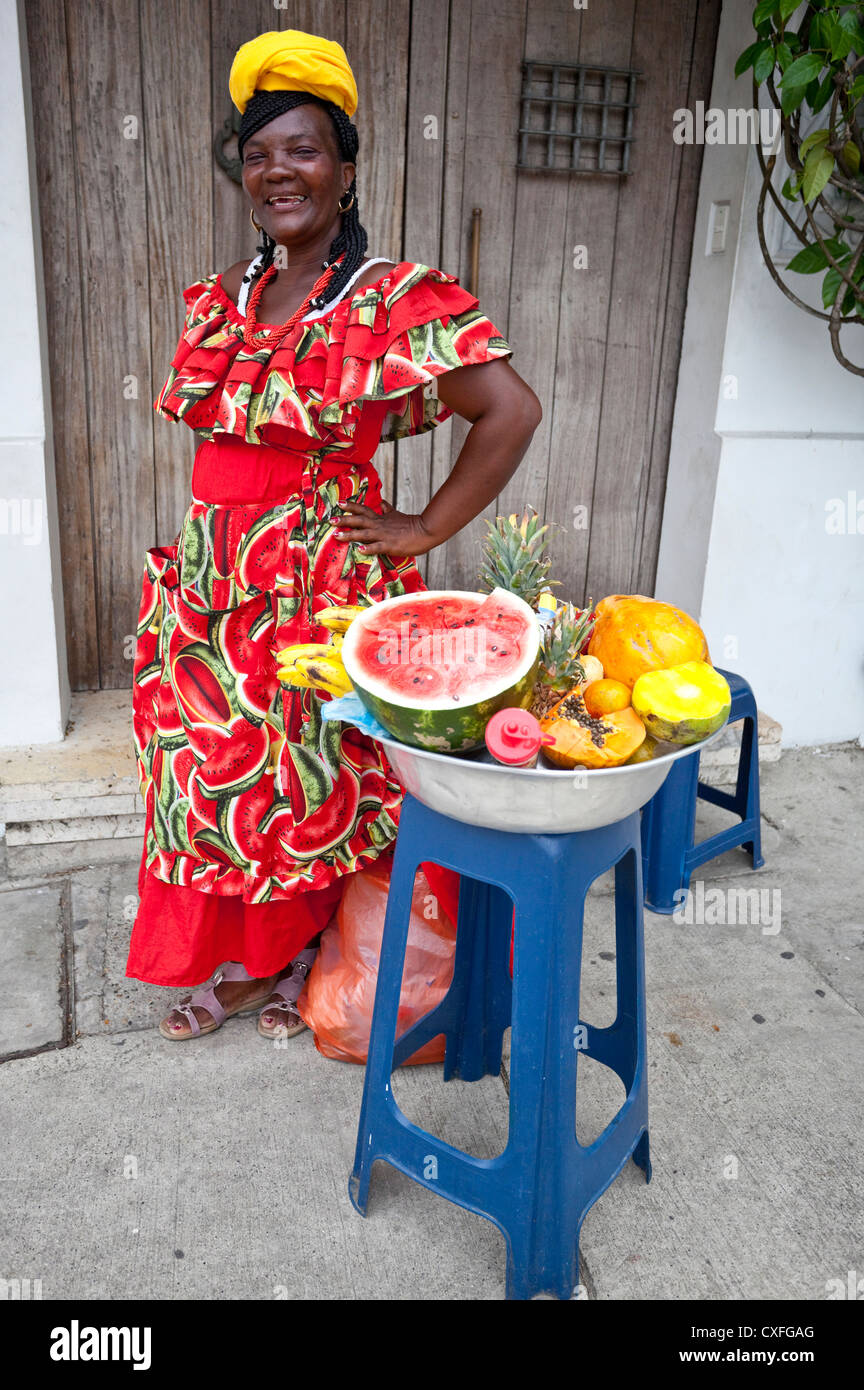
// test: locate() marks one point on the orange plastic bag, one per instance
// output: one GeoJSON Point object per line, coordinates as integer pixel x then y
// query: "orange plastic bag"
{"type": "Point", "coordinates": [339, 996]}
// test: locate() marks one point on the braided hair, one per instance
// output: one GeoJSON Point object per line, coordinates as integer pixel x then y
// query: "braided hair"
{"type": "Point", "coordinates": [264, 107]}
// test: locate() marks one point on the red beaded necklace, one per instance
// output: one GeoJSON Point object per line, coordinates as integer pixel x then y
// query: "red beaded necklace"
{"type": "Point", "coordinates": [252, 335]}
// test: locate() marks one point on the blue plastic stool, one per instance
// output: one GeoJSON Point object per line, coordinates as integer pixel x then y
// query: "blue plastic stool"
{"type": "Point", "coordinates": [669, 855]}
{"type": "Point", "coordinates": [539, 1189]}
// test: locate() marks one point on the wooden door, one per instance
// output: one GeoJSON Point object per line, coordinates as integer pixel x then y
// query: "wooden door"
{"type": "Point", "coordinates": [599, 344]}
{"type": "Point", "coordinates": [127, 96]}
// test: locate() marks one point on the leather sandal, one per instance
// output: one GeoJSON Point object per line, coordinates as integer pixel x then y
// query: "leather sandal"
{"type": "Point", "coordinates": [205, 998]}
{"type": "Point", "coordinates": [289, 989]}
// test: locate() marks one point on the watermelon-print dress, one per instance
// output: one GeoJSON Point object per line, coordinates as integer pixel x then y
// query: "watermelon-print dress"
{"type": "Point", "coordinates": [255, 807]}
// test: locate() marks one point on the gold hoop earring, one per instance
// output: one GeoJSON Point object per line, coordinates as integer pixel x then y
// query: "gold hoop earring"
{"type": "Point", "coordinates": [348, 206]}
{"type": "Point", "coordinates": [256, 225]}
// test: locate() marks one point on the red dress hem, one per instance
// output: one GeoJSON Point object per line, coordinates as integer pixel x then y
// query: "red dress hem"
{"type": "Point", "coordinates": [181, 936]}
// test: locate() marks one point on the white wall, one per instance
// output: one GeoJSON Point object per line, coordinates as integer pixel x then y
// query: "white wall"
{"type": "Point", "coordinates": [34, 690]}
{"type": "Point", "coordinates": [785, 570]}
{"type": "Point", "coordinates": [781, 595]}
{"type": "Point", "coordinates": [694, 449]}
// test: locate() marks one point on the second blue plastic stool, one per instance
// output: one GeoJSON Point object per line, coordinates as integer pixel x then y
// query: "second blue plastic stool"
{"type": "Point", "coordinates": [539, 1189]}
{"type": "Point", "coordinates": [669, 854]}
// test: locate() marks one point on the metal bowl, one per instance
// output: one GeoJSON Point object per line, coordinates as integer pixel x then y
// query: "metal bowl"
{"type": "Point", "coordinates": [529, 801]}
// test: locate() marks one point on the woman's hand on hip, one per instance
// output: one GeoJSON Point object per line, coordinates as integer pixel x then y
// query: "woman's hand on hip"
{"type": "Point", "coordinates": [393, 533]}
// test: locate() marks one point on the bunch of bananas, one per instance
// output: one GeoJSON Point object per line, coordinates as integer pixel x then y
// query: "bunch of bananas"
{"type": "Point", "coordinates": [318, 665]}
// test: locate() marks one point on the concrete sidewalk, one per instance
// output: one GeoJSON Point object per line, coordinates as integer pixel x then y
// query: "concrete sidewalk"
{"type": "Point", "coordinates": [135, 1167]}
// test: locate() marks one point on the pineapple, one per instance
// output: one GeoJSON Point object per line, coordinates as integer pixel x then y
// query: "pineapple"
{"type": "Point", "coordinates": [514, 556]}
{"type": "Point", "coordinates": [560, 665]}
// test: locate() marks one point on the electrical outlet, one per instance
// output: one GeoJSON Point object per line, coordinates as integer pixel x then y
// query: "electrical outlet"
{"type": "Point", "coordinates": [718, 226]}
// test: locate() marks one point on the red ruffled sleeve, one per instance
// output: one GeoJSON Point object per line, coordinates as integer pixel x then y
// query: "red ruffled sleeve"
{"type": "Point", "coordinates": [419, 324]}
{"type": "Point", "coordinates": [203, 358]}
{"type": "Point", "coordinates": [378, 351]}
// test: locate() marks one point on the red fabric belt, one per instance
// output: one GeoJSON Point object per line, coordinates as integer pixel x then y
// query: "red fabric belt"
{"type": "Point", "coordinates": [231, 472]}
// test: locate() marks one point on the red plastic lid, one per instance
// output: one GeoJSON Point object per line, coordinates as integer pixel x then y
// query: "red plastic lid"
{"type": "Point", "coordinates": [514, 736]}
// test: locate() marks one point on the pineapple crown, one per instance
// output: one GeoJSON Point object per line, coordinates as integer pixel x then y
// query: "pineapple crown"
{"type": "Point", "coordinates": [563, 641]}
{"type": "Point", "coordinates": [514, 556]}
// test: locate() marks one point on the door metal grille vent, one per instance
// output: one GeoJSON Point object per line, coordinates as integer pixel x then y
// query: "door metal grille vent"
{"type": "Point", "coordinates": [575, 119]}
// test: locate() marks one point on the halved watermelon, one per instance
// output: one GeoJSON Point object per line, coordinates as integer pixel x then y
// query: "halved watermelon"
{"type": "Point", "coordinates": [434, 667]}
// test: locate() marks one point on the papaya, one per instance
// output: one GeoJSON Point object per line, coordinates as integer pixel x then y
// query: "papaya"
{"type": "Point", "coordinates": [580, 740]}
{"type": "Point", "coordinates": [633, 634]}
{"type": "Point", "coordinates": [682, 704]}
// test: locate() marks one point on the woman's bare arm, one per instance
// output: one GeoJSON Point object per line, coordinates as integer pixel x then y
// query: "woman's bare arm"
{"type": "Point", "coordinates": [504, 413]}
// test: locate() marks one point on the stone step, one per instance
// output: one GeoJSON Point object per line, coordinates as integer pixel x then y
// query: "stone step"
{"type": "Point", "coordinates": [82, 789]}
{"type": "Point", "coordinates": [24, 863]}
{"type": "Point", "coordinates": [60, 790]}
{"type": "Point", "coordinates": [42, 807]}
{"type": "Point", "coordinates": [718, 765]}
{"type": "Point", "coordinates": [96, 808]}
{"type": "Point", "coordinates": [48, 832]}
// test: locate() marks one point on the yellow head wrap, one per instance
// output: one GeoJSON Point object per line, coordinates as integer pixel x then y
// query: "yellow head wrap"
{"type": "Point", "coordinates": [289, 60]}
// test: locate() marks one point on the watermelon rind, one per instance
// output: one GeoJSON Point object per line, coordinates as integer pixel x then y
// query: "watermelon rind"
{"type": "Point", "coordinates": [440, 726]}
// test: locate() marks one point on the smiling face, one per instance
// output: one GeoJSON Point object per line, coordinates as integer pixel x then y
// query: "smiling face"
{"type": "Point", "coordinates": [294, 176]}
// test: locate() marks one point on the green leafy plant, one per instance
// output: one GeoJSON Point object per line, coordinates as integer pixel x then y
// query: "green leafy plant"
{"type": "Point", "coordinates": [816, 69]}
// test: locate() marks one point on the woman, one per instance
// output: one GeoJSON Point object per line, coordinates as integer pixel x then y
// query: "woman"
{"type": "Point", "coordinates": [255, 807]}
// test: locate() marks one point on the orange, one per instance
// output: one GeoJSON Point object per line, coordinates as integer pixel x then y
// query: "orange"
{"type": "Point", "coordinates": [606, 697]}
